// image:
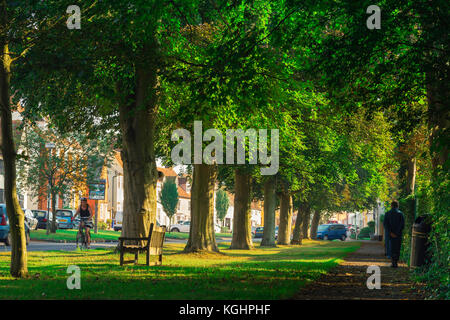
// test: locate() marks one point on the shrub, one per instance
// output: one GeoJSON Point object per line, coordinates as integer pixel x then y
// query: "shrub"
{"type": "Point", "coordinates": [364, 233]}
{"type": "Point", "coordinates": [102, 225]}
{"type": "Point", "coordinates": [224, 230]}
{"type": "Point", "coordinates": [371, 226]}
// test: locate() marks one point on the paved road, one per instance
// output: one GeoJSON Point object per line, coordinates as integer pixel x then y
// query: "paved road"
{"type": "Point", "coordinates": [49, 246]}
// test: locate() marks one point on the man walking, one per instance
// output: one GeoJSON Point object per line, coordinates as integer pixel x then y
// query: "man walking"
{"type": "Point", "coordinates": [394, 223]}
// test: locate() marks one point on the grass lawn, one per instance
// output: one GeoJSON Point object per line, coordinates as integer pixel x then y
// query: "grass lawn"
{"type": "Point", "coordinates": [70, 235]}
{"type": "Point", "coordinates": [269, 273]}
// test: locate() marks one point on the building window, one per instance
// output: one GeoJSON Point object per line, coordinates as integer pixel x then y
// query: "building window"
{"type": "Point", "coordinates": [2, 168]}
{"type": "Point", "coordinates": [21, 200]}
{"type": "Point", "coordinates": [2, 196]}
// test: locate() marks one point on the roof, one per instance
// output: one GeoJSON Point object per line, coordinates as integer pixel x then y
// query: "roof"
{"type": "Point", "coordinates": [183, 194]}
{"type": "Point", "coordinates": [168, 172]}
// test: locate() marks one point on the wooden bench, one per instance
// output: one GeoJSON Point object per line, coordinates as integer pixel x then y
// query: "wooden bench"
{"type": "Point", "coordinates": [152, 245]}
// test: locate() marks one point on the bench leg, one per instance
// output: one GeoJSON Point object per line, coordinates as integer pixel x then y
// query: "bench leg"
{"type": "Point", "coordinates": [147, 261]}
{"type": "Point", "coordinates": [121, 257]}
{"type": "Point", "coordinates": [160, 259]}
{"type": "Point", "coordinates": [136, 257]}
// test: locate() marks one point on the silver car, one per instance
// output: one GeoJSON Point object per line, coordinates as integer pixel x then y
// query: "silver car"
{"type": "Point", "coordinates": [30, 219]}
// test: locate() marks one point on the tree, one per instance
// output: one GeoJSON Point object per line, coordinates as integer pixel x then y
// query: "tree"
{"type": "Point", "coordinates": [302, 220]}
{"type": "Point", "coordinates": [270, 204]}
{"type": "Point", "coordinates": [201, 232]}
{"type": "Point", "coordinates": [16, 38]}
{"type": "Point", "coordinates": [286, 211]}
{"type": "Point", "coordinates": [72, 163]}
{"type": "Point", "coordinates": [169, 198]}
{"type": "Point", "coordinates": [242, 236]}
{"type": "Point", "coordinates": [222, 204]}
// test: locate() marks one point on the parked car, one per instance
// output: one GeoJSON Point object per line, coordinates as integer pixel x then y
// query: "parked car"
{"type": "Point", "coordinates": [42, 217]}
{"type": "Point", "coordinates": [64, 218]}
{"type": "Point", "coordinates": [182, 226]}
{"type": "Point", "coordinates": [5, 235]}
{"type": "Point", "coordinates": [259, 232]}
{"type": "Point", "coordinates": [331, 232]}
{"type": "Point", "coordinates": [30, 219]}
{"type": "Point", "coordinates": [117, 222]}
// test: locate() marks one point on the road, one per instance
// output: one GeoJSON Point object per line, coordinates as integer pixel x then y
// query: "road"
{"type": "Point", "coordinates": [70, 246]}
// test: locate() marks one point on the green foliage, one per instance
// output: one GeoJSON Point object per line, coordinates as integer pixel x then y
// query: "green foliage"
{"type": "Point", "coordinates": [169, 197]}
{"type": "Point", "coordinates": [222, 204]}
{"type": "Point", "coordinates": [436, 274]}
{"type": "Point", "coordinates": [365, 232]}
{"type": "Point", "coordinates": [71, 164]}
{"type": "Point", "coordinates": [101, 225]}
{"type": "Point", "coordinates": [371, 225]}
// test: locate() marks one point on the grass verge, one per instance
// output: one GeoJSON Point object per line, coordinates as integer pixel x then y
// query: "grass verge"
{"type": "Point", "coordinates": [69, 235]}
{"type": "Point", "coordinates": [262, 273]}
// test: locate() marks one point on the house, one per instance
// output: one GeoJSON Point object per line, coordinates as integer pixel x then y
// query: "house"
{"type": "Point", "coordinates": [256, 218]}
{"type": "Point", "coordinates": [114, 185]}
{"type": "Point", "coordinates": [184, 199]}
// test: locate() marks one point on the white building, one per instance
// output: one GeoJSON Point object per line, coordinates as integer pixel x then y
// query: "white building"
{"type": "Point", "coordinates": [256, 218]}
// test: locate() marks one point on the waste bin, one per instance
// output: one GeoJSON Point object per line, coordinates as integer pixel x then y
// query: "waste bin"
{"type": "Point", "coordinates": [419, 241]}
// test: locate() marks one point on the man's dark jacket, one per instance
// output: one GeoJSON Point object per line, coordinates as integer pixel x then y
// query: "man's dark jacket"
{"type": "Point", "coordinates": [394, 221]}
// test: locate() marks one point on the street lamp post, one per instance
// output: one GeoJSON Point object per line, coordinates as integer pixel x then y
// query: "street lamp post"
{"type": "Point", "coordinates": [49, 146]}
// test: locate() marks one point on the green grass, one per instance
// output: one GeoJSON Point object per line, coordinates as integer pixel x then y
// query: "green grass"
{"type": "Point", "coordinates": [70, 235]}
{"type": "Point", "coordinates": [268, 273]}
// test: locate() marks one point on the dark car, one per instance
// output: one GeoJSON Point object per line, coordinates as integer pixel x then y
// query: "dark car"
{"type": "Point", "coordinates": [42, 217]}
{"type": "Point", "coordinates": [5, 235]}
{"type": "Point", "coordinates": [259, 232]}
{"type": "Point", "coordinates": [332, 231]}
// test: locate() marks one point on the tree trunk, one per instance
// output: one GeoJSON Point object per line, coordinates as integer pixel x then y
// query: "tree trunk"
{"type": "Point", "coordinates": [53, 225]}
{"type": "Point", "coordinates": [305, 222]}
{"type": "Point", "coordinates": [137, 124]}
{"type": "Point", "coordinates": [201, 232]}
{"type": "Point", "coordinates": [438, 92]}
{"type": "Point", "coordinates": [284, 229]}
{"type": "Point", "coordinates": [303, 211]}
{"type": "Point", "coordinates": [411, 202]}
{"type": "Point", "coordinates": [315, 224]}
{"type": "Point", "coordinates": [15, 214]}
{"type": "Point", "coordinates": [270, 201]}
{"type": "Point", "coordinates": [242, 236]}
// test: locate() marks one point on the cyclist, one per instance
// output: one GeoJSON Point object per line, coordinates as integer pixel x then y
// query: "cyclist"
{"type": "Point", "coordinates": [86, 214]}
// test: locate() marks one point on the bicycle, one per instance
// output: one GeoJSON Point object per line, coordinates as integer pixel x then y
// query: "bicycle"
{"type": "Point", "coordinates": [81, 237]}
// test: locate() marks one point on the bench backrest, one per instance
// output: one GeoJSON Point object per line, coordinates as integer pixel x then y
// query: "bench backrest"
{"type": "Point", "coordinates": [157, 235]}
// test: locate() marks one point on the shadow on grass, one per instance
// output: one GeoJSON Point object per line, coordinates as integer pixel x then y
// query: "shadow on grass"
{"type": "Point", "coordinates": [271, 273]}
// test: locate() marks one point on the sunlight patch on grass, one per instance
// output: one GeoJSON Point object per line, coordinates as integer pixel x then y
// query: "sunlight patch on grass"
{"type": "Point", "coordinates": [262, 273]}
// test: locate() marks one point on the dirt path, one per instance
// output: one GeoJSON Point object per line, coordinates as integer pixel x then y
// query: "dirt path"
{"type": "Point", "coordinates": [348, 280]}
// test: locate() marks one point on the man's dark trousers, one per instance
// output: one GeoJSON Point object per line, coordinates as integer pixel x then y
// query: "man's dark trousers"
{"type": "Point", "coordinates": [395, 248]}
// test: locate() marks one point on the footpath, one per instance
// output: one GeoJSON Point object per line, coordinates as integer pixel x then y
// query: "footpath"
{"type": "Point", "coordinates": [348, 280]}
